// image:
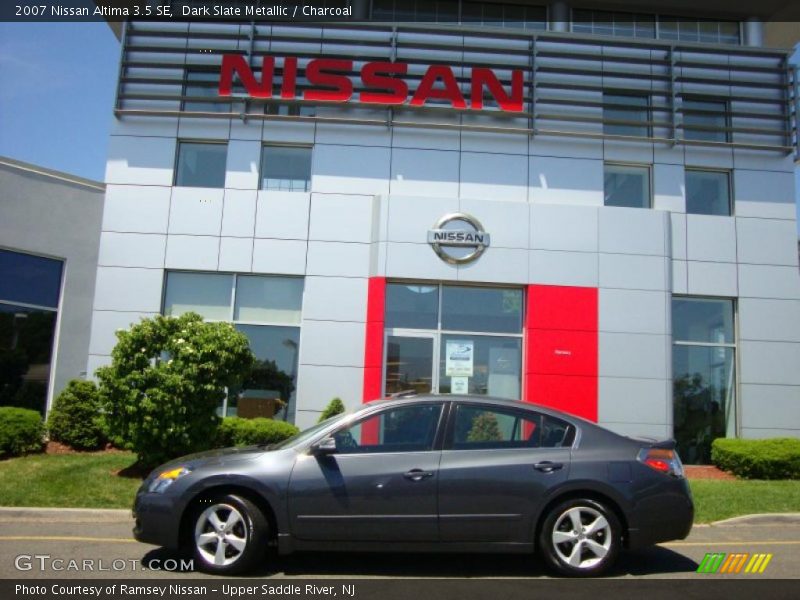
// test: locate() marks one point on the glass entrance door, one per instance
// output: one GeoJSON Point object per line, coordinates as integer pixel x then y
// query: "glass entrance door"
{"type": "Point", "coordinates": [409, 363]}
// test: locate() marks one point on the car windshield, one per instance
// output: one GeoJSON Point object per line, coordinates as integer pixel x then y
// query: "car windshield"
{"type": "Point", "coordinates": [308, 433]}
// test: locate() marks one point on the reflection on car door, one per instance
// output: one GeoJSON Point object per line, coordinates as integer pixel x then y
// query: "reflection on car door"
{"type": "Point", "coordinates": [497, 465]}
{"type": "Point", "coordinates": [380, 485]}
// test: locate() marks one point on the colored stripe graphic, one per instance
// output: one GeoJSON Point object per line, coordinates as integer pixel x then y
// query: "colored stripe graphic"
{"type": "Point", "coordinates": [734, 562]}
{"type": "Point", "coordinates": [711, 562]}
{"type": "Point", "coordinates": [758, 563]}
{"type": "Point", "coordinates": [720, 562]}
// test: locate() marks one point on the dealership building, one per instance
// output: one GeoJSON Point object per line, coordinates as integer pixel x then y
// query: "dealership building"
{"type": "Point", "coordinates": [591, 210]}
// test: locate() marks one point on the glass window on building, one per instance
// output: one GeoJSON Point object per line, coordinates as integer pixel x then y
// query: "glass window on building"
{"type": "Point", "coordinates": [291, 109]}
{"type": "Point", "coordinates": [517, 15]}
{"type": "Point", "coordinates": [616, 24]}
{"type": "Point", "coordinates": [626, 107]}
{"type": "Point", "coordinates": [708, 192]}
{"type": "Point", "coordinates": [202, 84]}
{"type": "Point", "coordinates": [705, 120]}
{"type": "Point", "coordinates": [698, 30]}
{"type": "Point", "coordinates": [201, 164]}
{"type": "Point", "coordinates": [267, 309]}
{"type": "Point", "coordinates": [453, 339]}
{"type": "Point", "coordinates": [626, 186]}
{"type": "Point", "coordinates": [703, 374]}
{"type": "Point", "coordinates": [30, 288]}
{"type": "Point", "coordinates": [286, 168]}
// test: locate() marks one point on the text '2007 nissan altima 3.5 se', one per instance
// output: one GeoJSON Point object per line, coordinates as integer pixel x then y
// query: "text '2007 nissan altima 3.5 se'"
{"type": "Point", "coordinates": [424, 473]}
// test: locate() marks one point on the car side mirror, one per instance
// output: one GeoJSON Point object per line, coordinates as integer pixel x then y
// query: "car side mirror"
{"type": "Point", "coordinates": [325, 446]}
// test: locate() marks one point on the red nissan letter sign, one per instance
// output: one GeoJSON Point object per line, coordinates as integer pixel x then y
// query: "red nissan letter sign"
{"type": "Point", "coordinates": [318, 73]}
{"type": "Point", "coordinates": [486, 77]}
{"type": "Point", "coordinates": [235, 63]}
{"type": "Point", "coordinates": [377, 75]}
{"type": "Point", "coordinates": [450, 92]}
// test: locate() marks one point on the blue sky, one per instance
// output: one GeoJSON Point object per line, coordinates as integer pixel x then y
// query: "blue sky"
{"type": "Point", "coordinates": [57, 85]}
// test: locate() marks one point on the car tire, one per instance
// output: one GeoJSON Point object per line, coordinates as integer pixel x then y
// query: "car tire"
{"type": "Point", "coordinates": [228, 535]}
{"type": "Point", "coordinates": [580, 537]}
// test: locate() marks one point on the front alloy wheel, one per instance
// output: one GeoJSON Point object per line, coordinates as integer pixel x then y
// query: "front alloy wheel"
{"type": "Point", "coordinates": [580, 538]}
{"type": "Point", "coordinates": [229, 534]}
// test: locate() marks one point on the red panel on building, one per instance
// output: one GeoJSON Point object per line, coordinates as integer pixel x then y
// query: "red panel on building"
{"type": "Point", "coordinates": [559, 352]}
{"type": "Point", "coordinates": [373, 346]}
{"type": "Point", "coordinates": [562, 307]}
{"type": "Point", "coordinates": [569, 393]}
{"type": "Point", "coordinates": [561, 348]}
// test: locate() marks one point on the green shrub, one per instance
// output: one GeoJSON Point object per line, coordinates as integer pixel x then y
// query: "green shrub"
{"type": "Point", "coordinates": [21, 431]}
{"type": "Point", "coordinates": [235, 431]}
{"type": "Point", "coordinates": [166, 379]}
{"type": "Point", "coordinates": [776, 458]}
{"type": "Point", "coordinates": [76, 418]}
{"type": "Point", "coordinates": [335, 407]}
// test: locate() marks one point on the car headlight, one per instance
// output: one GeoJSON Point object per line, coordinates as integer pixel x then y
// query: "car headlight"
{"type": "Point", "coordinates": [166, 478]}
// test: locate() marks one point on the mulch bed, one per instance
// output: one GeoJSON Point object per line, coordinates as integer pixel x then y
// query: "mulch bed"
{"type": "Point", "coordinates": [59, 448]}
{"type": "Point", "coordinates": [707, 472]}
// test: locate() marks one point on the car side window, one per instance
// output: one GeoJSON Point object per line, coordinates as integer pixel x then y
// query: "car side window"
{"type": "Point", "coordinates": [401, 429]}
{"type": "Point", "coordinates": [556, 433]}
{"type": "Point", "coordinates": [489, 427]}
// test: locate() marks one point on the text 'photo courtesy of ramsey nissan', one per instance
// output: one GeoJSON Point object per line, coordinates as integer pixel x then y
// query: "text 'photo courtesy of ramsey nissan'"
{"type": "Point", "coordinates": [388, 299]}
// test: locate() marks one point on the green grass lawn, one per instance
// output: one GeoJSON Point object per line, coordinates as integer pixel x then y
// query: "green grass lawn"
{"type": "Point", "coordinates": [89, 480]}
{"type": "Point", "coordinates": [716, 500]}
{"type": "Point", "coordinates": [85, 480]}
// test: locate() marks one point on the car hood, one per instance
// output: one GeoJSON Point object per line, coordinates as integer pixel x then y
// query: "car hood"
{"type": "Point", "coordinates": [219, 456]}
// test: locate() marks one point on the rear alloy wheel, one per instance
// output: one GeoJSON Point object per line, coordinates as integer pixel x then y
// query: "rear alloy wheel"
{"type": "Point", "coordinates": [580, 538]}
{"type": "Point", "coordinates": [229, 535]}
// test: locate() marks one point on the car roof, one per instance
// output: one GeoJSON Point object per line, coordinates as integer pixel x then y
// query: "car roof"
{"type": "Point", "coordinates": [402, 397]}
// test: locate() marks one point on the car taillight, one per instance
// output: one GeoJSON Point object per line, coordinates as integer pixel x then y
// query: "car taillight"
{"type": "Point", "coordinates": [663, 460]}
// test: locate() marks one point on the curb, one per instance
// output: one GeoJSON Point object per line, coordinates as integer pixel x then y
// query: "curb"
{"type": "Point", "coordinates": [760, 519]}
{"type": "Point", "coordinates": [95, 515]}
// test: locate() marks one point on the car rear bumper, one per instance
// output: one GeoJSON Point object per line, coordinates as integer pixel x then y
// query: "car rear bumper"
{"type": "Point", "coordinates": [662, 517]}
{"type": "Point", "coordinates": [155, 520]}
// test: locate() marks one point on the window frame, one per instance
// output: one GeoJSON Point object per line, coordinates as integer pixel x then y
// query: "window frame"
{"type": "Point", "coordinates": [448, 442]}
{"type": "Point", "coordinates": [629, 165]}
{"type": "Point", "coordinates": [658, 20]}
{"type": "Point", "coordinates": [208, 107]}
{"type": "Point", "coordinates": [524, 25]}
{"type": "Point", "coordinates": [264, 146]}
{"type": "Point", "coordinates": [179, 143]}
{"type": "Point", "coordinates": [647, 125]}
{"type": "Point", "coordinates": [438, 437]}
{"type": "Point", "coordinates": [233, 277]}
{"type": "Point", "coordinates": [733, 345]}
{"type": "Point", "coordinates": [726, 106]}
{"type": "Point", "coordinates": [727, 172]}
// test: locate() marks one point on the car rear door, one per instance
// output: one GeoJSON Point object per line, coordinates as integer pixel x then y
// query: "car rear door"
{"type": "Point", "coordinates": [497, 466]}
{"type": "Point", "coordinates": [380, 485]}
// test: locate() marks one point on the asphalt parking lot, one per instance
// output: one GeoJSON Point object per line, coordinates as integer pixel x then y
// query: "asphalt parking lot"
{"type": "Point", "coordinates": [98, 544]}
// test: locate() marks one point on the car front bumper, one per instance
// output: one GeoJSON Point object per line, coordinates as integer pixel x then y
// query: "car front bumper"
{"type": "Point", "coordinates": [157, 519]}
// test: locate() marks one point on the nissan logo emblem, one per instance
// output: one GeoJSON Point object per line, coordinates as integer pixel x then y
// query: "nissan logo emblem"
{"type": "Point", "coordinates": [458, 238]}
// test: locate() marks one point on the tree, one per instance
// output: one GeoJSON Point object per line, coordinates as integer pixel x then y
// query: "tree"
{"type": "Point", "coordinates": [165, 381]}
{"type": "Point", "coordinates": [484, 428]}
{"type": "Point", "coordinates": [335, 407]}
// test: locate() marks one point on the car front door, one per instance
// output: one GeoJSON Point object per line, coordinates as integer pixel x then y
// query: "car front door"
{"type": "Point", "coordinates": [379, 485]}
{"type": "Point", "coordinates": [497, 465]}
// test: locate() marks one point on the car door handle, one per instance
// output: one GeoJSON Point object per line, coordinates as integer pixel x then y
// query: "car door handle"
{"type": "Point", "coordinates": [547, 466]}
{"type": "Point", "coordinates": [417, 474]}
